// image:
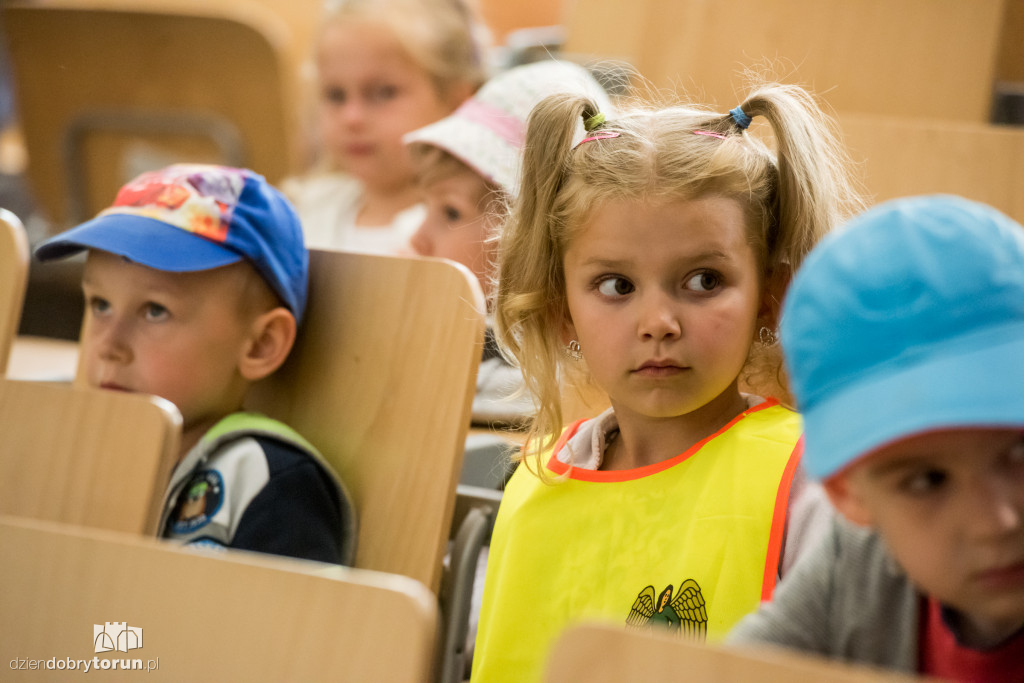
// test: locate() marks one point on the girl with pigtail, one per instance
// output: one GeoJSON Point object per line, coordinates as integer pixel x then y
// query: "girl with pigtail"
{"type": "Point", "coordinates": [653, 248]}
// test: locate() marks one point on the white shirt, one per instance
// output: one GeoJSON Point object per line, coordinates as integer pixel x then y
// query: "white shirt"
{"type": "Point", "coordinates": [328, 203]}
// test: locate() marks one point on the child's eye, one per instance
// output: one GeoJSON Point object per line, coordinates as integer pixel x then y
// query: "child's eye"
{"type": "Point", "coordinates": [704, 281]}
{"type": "Point", "coordinates": [614, 286]}
{"type": "Point", "coordinates": [156, 312]}
{"type": "Point", "coordinates": [383, 93]}
{"type": "Point", "coordinates": [924, 482]}
{"type": "Point", "coordinates": [452, 214]}
{"type": "Point", "coordinates": [1015, 454]}
{"type": "Point", "coordinates": [334, 95]}
{"type": "Point", "coordinates": [98, 305]}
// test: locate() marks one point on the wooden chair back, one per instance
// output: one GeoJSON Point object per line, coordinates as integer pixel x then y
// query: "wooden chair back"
{"type": "Point", "coordinates": [897, 157]}
{"type": "Point", "coordinates": [13, 281]}
{"type": "Point", "coordinates": [381, 380]}
{"type": "Point", "coordinates": [112, 88]}
{"type": "Point", "coordinates": [204, 617]}
{"type": "Point", "coordinates": [601, 653]}
{"type": "Point", "coordinates": [904, 58]}
{"type": "Point", "coordinates": [85, 456]}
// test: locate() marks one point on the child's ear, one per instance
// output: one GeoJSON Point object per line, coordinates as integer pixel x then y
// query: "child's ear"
{"type": "Point", "coordinates": [457, 92]}
{"type": "Point", "coordinates": [272, 335]}
{"type": "Point", "coordinates": [847, 499]}
{"type": "Point", "coordinates": [568, 331]}
{"type": "Point", "coordinates": [775, 284]}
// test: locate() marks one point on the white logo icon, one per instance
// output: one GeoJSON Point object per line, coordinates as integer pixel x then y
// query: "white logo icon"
{"type": "Point", "coordinates": [116, 636]}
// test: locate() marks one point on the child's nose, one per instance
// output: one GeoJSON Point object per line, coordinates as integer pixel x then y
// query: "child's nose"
{"type": "Point", "coordinates": [112, 341]}
{"type": "Point", "coordinates": [420, 240]}
{"type": "Point", "coordinates": [658, 319]}
{"type": "Point", "coordinates": [353, 112]}
{"type": "Point", "coordinates": [998, 507]}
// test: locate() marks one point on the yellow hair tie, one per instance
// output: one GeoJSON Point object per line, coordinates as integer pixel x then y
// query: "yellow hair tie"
{"type": "Point", "coordinates": [593, 122]}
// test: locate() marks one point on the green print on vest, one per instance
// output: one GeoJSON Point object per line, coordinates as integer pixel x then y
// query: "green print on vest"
{"type": "Point", "coordinates": [684, 613]}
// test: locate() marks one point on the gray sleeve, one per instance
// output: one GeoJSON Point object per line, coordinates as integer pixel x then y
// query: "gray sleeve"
{"type": "Point", "coordinates": [846, 598]}
{"type": "Point", "coordinates": [809, 518]}
{"type": "Point", "coordinates": [797, 615]}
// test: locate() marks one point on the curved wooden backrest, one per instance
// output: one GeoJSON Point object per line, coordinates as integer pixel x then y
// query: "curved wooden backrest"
{"type": "Point", "coordinates": [904, 58]}
{"type": "Point", "coordinates": [204, 617]}
{"type": "Point", "coordinates": [601, 653]}
{"type": "Point", "coordinates": [897, 157]}
{"type": "Point", "coordinates": [85, 456]}
{"type": "Point", "coordinates": [13, 280]}
{"type": "Point", "coordinates": [111, 88]}
{"type": "Point", "coordinates": [381, 380]}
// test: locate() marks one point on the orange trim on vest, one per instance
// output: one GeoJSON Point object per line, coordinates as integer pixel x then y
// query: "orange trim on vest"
{"type": "Point", "coordinates": [580, 474]}
{"type": "Point", "coordinates": [567, 434]}
{"type": "Point", "coordinates": [779, 516]}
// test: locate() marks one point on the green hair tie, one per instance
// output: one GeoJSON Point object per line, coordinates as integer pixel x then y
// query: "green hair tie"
{"type": "Point", "coordinates": [593, 122]}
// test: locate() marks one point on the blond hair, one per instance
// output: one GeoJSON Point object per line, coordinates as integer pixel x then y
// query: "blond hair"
{"type": "Point", "coordinates": [446, 38]}
{"type": "Point", "coordinates": [791, 198]}
{"type": "Point", "coordinates": [434, 164]}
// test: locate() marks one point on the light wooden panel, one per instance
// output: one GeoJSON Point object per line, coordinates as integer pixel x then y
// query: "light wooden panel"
{"type": "Point", "coordinates": [230, 616]}
{"type": "Point", "coordinates": [503, 17]}
{"type": "Point", "coordinates": [290, 24]}
{"type": "Point", "coordinates": [85, 456]}
{"type": "Point", "coordinates": [907, 58]}
{"type": "Point", "coordinates": [900, 157]}
{"type": "Point", "coordinates": [43, 359]}
{"type": "Point", "coordinates": [381, 381]}
{"type": "Point", "coordinates": [13, 280]}
{"type": "Point", "coordinates": [156, 59]}
{"type": "Point", "coordinates": [593, 653]}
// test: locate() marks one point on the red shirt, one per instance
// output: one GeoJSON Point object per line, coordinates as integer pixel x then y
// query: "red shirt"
{"type": "Point", "coordinates": [941, 655]}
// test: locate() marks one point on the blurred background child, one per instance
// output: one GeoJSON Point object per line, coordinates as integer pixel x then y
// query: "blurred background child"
{"type": "Point", "coordinates": [904, 338]}
{"type": "Point", "coordinates": [383, 68]}
{"type": "Point", "coordinates": [653, 246]}
{"type": "Point", "coordinates": [468, 165]}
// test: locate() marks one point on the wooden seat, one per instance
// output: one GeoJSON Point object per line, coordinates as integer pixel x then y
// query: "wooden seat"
{"type": "Point", "coordinates": [13, 280]}
{"type": "Point", "coordinates": [898, 157]}
{"type": "Point", "coordinates": [910, 58]}
{"type": "Point", "coordinates": [381, 380]}
{"type": "Point", "coordinates": [111, 88]}
{"type": "Point", "coordinates": [205, 617]}
{"type": "Point", "coordinates": [593, 653]}
{"type": "Point", "coordinates": [84, 456]}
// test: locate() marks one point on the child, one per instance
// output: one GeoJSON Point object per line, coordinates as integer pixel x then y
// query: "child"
{"type": "Point", "coordinates": [467, 165]}
{"type": "Point", "coordinates": [194, 285]}
{"type": "Point", "coordinates": [383, 68]}
{"type": "Point", "coordinates": [904, 337]}
{"type": "Point", "coordinates": [655, 246]}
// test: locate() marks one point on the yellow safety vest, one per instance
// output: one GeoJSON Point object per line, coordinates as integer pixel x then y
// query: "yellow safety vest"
{"type": "Point", "coordinates": [691, 544]}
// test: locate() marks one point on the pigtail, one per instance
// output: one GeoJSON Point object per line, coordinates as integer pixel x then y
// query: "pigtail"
{"type": "Point", "coordinates": [815, 190]}
{"type": "Point", "coordinates": [808, 191]}
{"type": "Point", "coordinates": [528, 315]}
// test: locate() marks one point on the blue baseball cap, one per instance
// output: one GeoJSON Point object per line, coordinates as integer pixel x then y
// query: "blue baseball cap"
{"type": "Point", "coordinates": [190, 217]}
{"type": "Point", "coordinates": [907, 320]}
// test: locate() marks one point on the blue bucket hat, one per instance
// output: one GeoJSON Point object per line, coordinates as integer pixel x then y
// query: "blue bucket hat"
{"type": "Point", "coordinates": [190, 217]}
{"type": "Point", "coordinates": [909, 319]}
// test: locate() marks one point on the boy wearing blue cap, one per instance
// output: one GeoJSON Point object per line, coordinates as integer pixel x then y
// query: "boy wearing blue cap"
{"type": "Point", "coordinates": [194, 284]}
{"type": "Point", "coordinates": [904, 339]}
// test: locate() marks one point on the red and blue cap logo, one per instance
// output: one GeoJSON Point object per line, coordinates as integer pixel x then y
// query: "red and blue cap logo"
{"type": "Point", "coordinates": [191, 217]}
